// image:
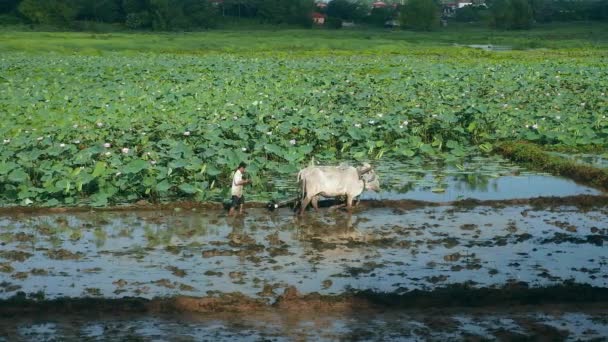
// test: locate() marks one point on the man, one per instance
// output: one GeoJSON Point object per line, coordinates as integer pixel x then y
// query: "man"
{"type": "Point", "coordinates": [237, 189]}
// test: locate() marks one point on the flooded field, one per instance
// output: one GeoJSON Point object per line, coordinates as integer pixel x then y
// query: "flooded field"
{"type": "Point", "coordinates": [436, 246]}
{"type": "Point", "coordinates": [394, 249]}
{"type": "Point", "coordinates": [480, 177]}
{"type": "Point", "coordinates": [151, 254]}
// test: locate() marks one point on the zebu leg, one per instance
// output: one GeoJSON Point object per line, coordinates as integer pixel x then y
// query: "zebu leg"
{"type": "Point", "coordinates": [349, 202]}
{"type": "Point", "coordinates": [315, 202]}
{"type": "Point", "coordinates": [305, 203]}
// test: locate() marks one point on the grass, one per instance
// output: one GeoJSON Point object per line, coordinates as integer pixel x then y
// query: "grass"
{"type": "Point", "coordinates": [534, 157]}
{"type": "Point", "coordinates": [580, 36]}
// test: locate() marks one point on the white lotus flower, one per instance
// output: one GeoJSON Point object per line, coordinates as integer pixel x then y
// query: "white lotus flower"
{"type": "Point", "coordinates": [187, 133]}
{"type": "Point", "coordinates": [153, 162]}
{"type": "Point", "coordinates": [125, 150]}
{"type": "Point", "coordinates": [292, 141]}
{"type": "Point", "coordinates": [371, 122]}
{"type": "Point", "coordinates": [379, 115]}
{"type": "Point", "coordinates": [118, 174]}
{"type": "Point", "coordinates": [405, 123]}
{"type": "Point", "coordinates": [107, 154]}
{"type": "Point", "coordinates": [62, 145]}
{"type": "Point", "coordinates": [76, 141]}
{"type": "Point", "coordinates": [100, 124]}
{"type": "Point", "coordinates": [244, 149]}
{"type": "Point", "coordinates": [75, 126]}
{"type": "Point", "coordinates": [268, 133]}
{"type": "Point", "coordinates": [39, 138]}
{"type": "Point", "coordinates": [582, 104]}
{"type": "Point", "coordinates": [558, 117]}
{"type": "Point", "coordinates": [107, 145]}
{"type": "Point", "coordinates": [535, 126]}
{"type": "Point", "coordinates": [358, 125]}
{"type": "Point", "coordinates": [6, 141]}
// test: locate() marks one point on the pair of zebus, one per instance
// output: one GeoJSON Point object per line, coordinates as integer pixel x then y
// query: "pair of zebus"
{"type": "Point", "coordinates": [342, 181]}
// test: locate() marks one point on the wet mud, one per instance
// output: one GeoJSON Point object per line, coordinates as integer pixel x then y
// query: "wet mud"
{"type": "Point", "coordinates": [293, 316]}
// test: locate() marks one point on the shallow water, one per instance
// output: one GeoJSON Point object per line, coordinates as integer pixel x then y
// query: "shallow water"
{"type": "Point", "coordinates": [482, 178]}
{"type": "Point", "coordinates": [149, 254]}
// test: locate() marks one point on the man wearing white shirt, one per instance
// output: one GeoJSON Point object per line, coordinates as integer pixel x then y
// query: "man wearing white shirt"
{"type": "Point", "coordinates": [237, 198]}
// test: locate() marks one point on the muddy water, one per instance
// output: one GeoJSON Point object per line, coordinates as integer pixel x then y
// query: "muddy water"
{"type": "Point", "coordinates": [149, 254]}
{"type": "Point", "coordinates": [429, 325]}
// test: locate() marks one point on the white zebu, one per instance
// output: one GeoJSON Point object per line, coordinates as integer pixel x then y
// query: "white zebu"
{"type": "Point", "coordinates": [334, 181]}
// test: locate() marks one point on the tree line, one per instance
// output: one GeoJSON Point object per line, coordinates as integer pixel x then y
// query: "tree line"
{"type": "Point", "coordinates": [165, 15]}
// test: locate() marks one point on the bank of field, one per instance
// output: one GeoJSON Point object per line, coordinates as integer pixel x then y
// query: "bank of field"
{"type": "Point", "coordinates": [97, 119]}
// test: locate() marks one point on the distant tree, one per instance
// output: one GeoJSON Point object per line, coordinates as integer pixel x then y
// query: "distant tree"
{"type": "Point", "coordinates": [420, 15]}
{"type": "Point", "coordinates": [8, 6]}
{"type": "Point", "coordinates": [200, 14]}
{"type": "Point", "coordinates": [333, 23]}
{"type": "Point", "coordinates": [135, 6]}
{"type": "Point", "coordinates": [502, 14]}
{"type": "Point", "coordinates": [598, 10]}
{"type": "Point", "coordinates": [295, 12]}
{"type": "Point", "coordinates": [109, 11]}
{"type": "Point", "coordinates": [467, 14]}
{"type": "Point", "coordinates": [380, 15]}
{"type": "Point", "coordinates": [349, 10]}
{"type": "Point", "coordinates": [512, 14]}
{"type": "Point", "coordinates": [53, 12]}
{"type": "Point", "coordinates": [522, 15]}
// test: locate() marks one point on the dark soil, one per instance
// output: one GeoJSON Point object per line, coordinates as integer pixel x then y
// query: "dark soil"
{"type": "Point", "coordinates": [513, 295]}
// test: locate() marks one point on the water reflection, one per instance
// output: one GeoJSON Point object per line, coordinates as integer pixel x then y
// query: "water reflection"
{"type": "Point", "coordinates": [479, 177]}
{"type": "Point", "coordinates": [161, 253]}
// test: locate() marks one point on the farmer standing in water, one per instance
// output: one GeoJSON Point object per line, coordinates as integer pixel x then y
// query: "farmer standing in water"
{"type": "Point", "coordinates": [237, 198]}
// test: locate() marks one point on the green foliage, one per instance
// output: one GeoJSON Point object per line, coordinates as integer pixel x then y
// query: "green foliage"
{"type": "Point", "coordinates": [177, 124]}
{"type": "Point", "coordinates": [379, 16]}
{"type": "Point", "coordinates": [8, 6]}
{"type": "Point", "coordinates": [294, 12]}
{"type": "Point", "coordinates": [420, 15]}
{"type": "Point", "coordinates": [469, 14]}
{"type": "Point", "coordinates": [333, 23]}
{"type": "Point", "coordinates": [348, 10]}
{"type": "Point", "coordinates": [109, 11]}
{"type": "Point", "coordinates": [51, 12]}
{"type": "Point", "coordinates": [512, 14]}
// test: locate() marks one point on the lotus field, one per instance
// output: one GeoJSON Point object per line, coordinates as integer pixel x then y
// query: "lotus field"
{"type": "Point", "coordinates": [96, 130]}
